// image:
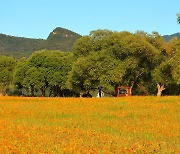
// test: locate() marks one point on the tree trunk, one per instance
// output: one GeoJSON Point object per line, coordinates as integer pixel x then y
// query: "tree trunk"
{"type": "Point", "coordinates": [160, 89]}
{"type": "Point", "coordinates": [51, 89]}
{"type": "Point", "coordinates": [32, 91]}
{"type": "Point", "coordinates": [58, 91]}
{"type": "Point", "coordinates": [3, 91]}
{"type": "Point", "coordinates": [43, 91]}
{"type": "Point", "coordinates": [130, 90]}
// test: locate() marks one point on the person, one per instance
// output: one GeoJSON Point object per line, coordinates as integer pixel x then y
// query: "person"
{"type": "Point", "coordinates": [100, 92]}
{"type": "Point", "coordinates": [87, 95]}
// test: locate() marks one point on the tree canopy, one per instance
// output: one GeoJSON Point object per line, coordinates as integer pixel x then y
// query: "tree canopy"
{"type": "Point", "coordinates": [6, 72]}
{"type": "Point", "coordinates": [178, 18]}
{"type": "Point", "coordinates": [42, 70]}
{"type": "Point", "coordinates": [104, 59]}
{"type": "Point", "coordinates": [111, 59]}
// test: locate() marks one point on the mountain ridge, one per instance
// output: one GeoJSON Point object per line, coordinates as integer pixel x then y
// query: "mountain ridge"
{"type": "Point", "coordinates": [23, 47]}
{"type": "Point", "coordinates": [167, 38]}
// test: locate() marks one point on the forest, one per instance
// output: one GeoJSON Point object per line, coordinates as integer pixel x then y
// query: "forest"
{"type": "Point", "coordinates": [142, 61]}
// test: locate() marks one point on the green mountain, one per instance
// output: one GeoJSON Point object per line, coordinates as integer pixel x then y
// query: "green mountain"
{"type": "Point", "coordinates": [59, 39]}
{"type": "Point", "coordinates": [167, 38]}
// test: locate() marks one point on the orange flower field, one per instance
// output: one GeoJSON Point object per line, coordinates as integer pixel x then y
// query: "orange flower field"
{"type": "Point", "coordinates": [90, 125]}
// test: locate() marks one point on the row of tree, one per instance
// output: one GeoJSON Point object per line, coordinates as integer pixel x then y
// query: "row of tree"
{"type": "Point", "coordinates": [104, 58]}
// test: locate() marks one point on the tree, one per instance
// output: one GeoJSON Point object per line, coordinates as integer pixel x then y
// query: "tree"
{"type": "Point", "coordinates": [91, 43]}
{"type": "Point", "coordinates": [82, 46]}
{"type": "Point", "coordinates": [175, 59]}
{"type": "Point", "coordinates": [178, 18]}
{"type": "Point", "coordinates": [44, 69]}
{"type": "Point", "coordinates": [166, 74]}
{"type": "Point", "coordinates": [19, 74]}
{"type": "Point", "coordinates": [114, 59]}
{"type": "Point", "coordinates": [34, 80]}
{"type": "Point", "coordinates": [160, 89]}
{"type": "Point", "coordinates": [7, 65]}
{"type": "Point", "coordinates": [91, 71]}
{"type": "Point", "coordinates": [162, 75]}
{"type": "Point", "coordinates": [79, 78]}
{"type": "Point", "coordinates": [175, 63]}
{"type": "Point", "coordinates": [59, 64]}
{"type": "Point", "coordinates": [139, 58]}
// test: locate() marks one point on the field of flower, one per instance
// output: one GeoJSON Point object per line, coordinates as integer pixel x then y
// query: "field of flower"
{"type": "Point", "coordinates": [94, 125]}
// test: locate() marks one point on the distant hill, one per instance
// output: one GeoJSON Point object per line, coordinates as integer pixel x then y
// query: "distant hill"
{"type": "Point", "coordinates": [59, 39]}
{"type": "Point", "coordinates": [167, 38]}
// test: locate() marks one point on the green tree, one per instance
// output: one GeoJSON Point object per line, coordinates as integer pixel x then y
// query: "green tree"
{"type": "Point", "coordinates": [7, 65]}
{"type": "Point", "coordinates": [91, 71]}
{"type": "Point", "coordinates": [114, 59]}
{"type": "Point", "coordinates": [34, 80]}
{"type": "Point", "coordinates": [162, 75]}
{"type": "Point", "coordinates": [91, 43]}
{"type": "Point", "coordinates": [178, 18]}
{"type": "Point", "coordinates": [175, 64]}
{"type": "Point", "coordinates": [175, 59]}
{"type": "Point", "coordinates": [82, 46]}
{"type": "Point", "coordinates": [166, 74]}
{"type": "Point", "coordinates": [44, 69]}
{"type": "Point", "coordinates": [58, 65]}
{"type": "Point", "coordinates": [19, 74]}
{"type": "Point", "coordinates": [162, 70]}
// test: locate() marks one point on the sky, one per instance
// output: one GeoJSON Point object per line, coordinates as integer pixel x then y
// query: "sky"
{"type": "Point", "coordinates": [37, 18]}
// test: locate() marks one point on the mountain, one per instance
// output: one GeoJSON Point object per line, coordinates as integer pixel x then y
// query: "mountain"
{"type": "Point", "coordinates": [59, 39]}
{"type": "Point", "coordinates": [167, 38]}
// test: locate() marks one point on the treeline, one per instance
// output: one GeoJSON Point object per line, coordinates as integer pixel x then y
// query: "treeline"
{"type": "Point", "coordinates": [144, 62]}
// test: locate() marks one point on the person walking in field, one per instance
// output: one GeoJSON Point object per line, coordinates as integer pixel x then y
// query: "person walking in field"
{"type": "Point", "coordinates": [100, 92]}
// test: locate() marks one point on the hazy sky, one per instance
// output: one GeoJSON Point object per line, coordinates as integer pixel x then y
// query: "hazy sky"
{"type": "Point", "coordinates": [37, 18]}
